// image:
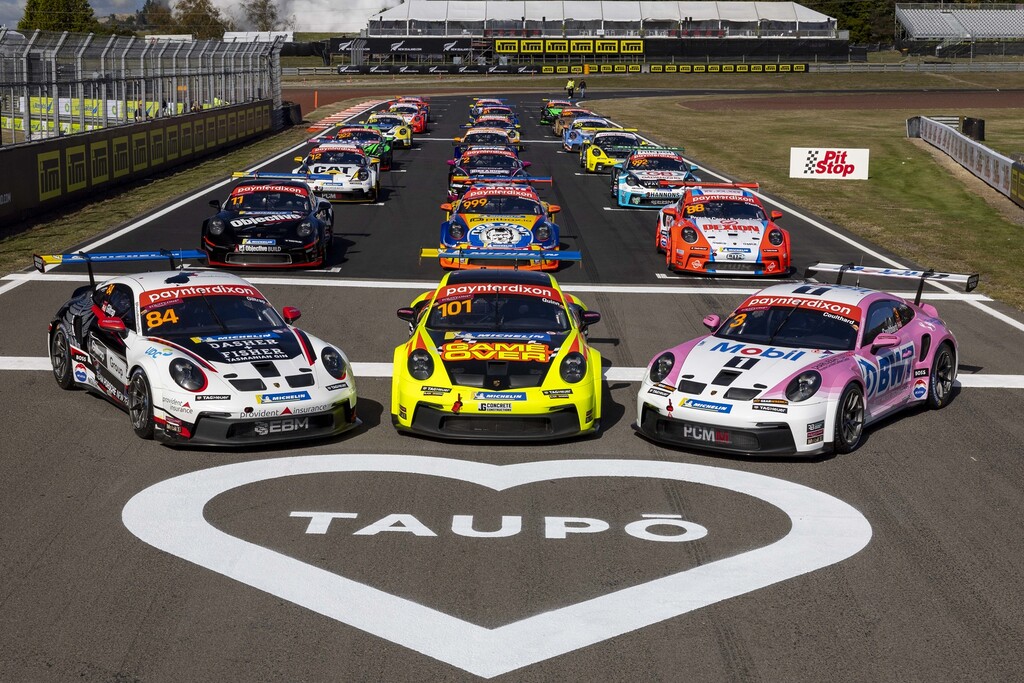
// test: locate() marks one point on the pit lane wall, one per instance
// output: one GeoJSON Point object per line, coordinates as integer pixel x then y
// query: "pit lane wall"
{"type": "Point", "coordinates": [1000, 172]}
{"type": "Point", "coordinates": [533, 69]}
{"type": "Point", "coordinates": [49, 173]}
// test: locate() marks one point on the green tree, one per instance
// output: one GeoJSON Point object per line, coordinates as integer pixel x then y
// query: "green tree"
{"type": "Point", "coordinates": [264, 15]}
{"type": "Point", "coordinates": [58, 15]}
{"type": "Point", "coordinates": [156, 17]}
{"type": "Point", "coordinates": [201, 19]}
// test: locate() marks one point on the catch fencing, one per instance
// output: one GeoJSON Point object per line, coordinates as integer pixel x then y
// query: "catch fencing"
{"type": "Point", "coordinates": [54, 84]}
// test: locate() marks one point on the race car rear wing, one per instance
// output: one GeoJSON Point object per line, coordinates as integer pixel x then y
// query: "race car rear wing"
{"type": "Point", "coordinates": [969, 281]}
{"type": "Point", "coordinates": [604, 129]}
{"type": "Point", "coordinates": [654, 148]}
{"type": "Point", "coordinates": [515, 255]}
{"type": "Point", "coordinates": [269, 175]}
{"type": "Point", "coordinates": [41, 261]}
{"type": "Point", "coordinates": [503, 180]}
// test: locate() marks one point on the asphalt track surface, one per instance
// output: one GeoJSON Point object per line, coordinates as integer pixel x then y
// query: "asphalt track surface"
{"type": "Point", "coordinates": [901, 561]}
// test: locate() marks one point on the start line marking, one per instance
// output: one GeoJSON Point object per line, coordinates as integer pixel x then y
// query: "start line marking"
{"type": "Point", "coordinates": [613, 374]}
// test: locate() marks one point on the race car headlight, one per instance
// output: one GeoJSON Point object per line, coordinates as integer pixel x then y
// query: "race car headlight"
{"type": "Point", "coordinates": [542, 233]}
{"type": "Point", "coordinates": [803, 386]}
{"type": "Point", "coordinates": [661, 366]}
{"type": "Point", "coordinates": [334, 362]}
{"type": "Point", "coordinates": [216, 226]}
{"type": "Point", "coordinates": [456, 231]}
{"type": "Point", "coordinates": [362, 174]}
{"type": "Point", "coordinates": [689, 235]}
{"type": "Point", "coordinates": [305, 229]}
{"type": "Point", "coordinates": [596, 151]}
{"type": "Point", "coordinates": [421, 365]}
{"type": "Point", "coordinates": [403, 131]}
{"type": "Point", "coordinates": [631, 180]}
{"type": "Point", "coordinates": [187, 374]}
{"type": "Point", "coordinates": [573, 368]}
{"type": "Point", "coordinates": [775, 236]}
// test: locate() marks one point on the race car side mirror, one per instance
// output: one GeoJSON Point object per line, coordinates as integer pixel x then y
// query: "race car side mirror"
{"type": "Point", "coordinates": [407, 314]}
{"type": "Point", "coordinates": [591, 317]}
{"type": "Point", "coordinates": [451, 162]}
{"type": "Point", "coordinates": [527, 164]}
{"type": "Point", "coordinates": [693, 167]}
{"type": "Point", "coordinates": [114, 325]}
{"type": "Point", "coordinates": [884, 341]}
{"type": "Point", "coordinates": [669, 211]}
{"type": "Point", "coordinates": [456, 139]}
{"type": "Point", "coordinates": [215, 203]}
{"type": "Point", "coordinates": [291, 314]}
{"type": "Point", "coordinates": [553, 209]}
{"type": "Point", "coordinates": [776, 215]}
{"type": "Point", "coordinates": [712, 322]}
{"type": "Point", "coordinates": [447, 207]}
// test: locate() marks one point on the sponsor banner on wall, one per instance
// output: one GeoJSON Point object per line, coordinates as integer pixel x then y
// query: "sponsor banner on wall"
{"type": "Point", "coordinates": [417, 46]}
{"type": "Point", "coordinates": [825, 163]}
{"type": "Point", "coordinates": [990, 166]}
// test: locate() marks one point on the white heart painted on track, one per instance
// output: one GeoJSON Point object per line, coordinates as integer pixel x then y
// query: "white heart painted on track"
{"type": "Point", "coordinates": [169, 516]}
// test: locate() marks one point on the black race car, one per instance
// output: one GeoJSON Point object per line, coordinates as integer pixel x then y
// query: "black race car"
{"type": "Point", "coordinates": [270, 220]}
{"type": "Point", "coordinates": [483, 163]}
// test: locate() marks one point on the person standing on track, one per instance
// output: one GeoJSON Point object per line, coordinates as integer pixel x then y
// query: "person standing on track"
{"type": "Point", "coordinates": [570, 87]}
{"type": "Point", "coordinates": [582, 87]}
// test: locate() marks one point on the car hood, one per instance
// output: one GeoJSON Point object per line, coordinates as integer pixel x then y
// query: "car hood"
{"type": "Point", "coordinates": [500, 231]}
{"type": "Point", "coordinates": [280, 345]}
{"type": "Point", "coordinates": [497, 360]}
{"type": "Point", "coordinates": [265, 225]}
{"type": "Point", "coordinates": [721, 364]}
{"type": "Point", "coordinates": [724, 234]}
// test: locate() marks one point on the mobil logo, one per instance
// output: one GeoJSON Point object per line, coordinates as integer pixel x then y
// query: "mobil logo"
{"type": "Point", "coordinates": [888, 371]}
{"type": "Point", "coordinates": [759, 351]}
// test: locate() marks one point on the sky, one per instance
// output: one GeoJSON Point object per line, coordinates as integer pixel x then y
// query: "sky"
{"type": "Point", "coordinates": [344, 16]}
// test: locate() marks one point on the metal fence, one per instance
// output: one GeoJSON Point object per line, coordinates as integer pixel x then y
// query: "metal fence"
{"type": "Point", "coordinates": [55, 84]}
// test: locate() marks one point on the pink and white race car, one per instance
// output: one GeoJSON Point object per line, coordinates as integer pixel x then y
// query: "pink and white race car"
{"type": "Point", "coordinates": [802, 368]}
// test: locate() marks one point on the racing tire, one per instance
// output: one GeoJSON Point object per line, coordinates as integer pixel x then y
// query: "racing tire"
{"type": "Point", "coordinates": [60, 360]}
{"type": "Point", "coordinates": [140, 405]}
{"type": "Point", "coordinates": [940, 382]}
{"type": "Point", "coordinates": [849, 429]}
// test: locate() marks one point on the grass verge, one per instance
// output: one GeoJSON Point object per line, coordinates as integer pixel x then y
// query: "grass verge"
{"type": "Point", "coordinates": [913, 204]}
{"type": "Point", "coordinates": [57, 232]}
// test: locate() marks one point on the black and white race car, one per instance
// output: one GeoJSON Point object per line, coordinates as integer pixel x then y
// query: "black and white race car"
{"type": "Point", "coordinates": [270, 221]}
{"type": "Point", "coordinates": [197, 357]}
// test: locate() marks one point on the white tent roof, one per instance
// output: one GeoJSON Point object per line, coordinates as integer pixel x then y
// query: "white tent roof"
{"type": "Point", "coordinates": [598, 10]}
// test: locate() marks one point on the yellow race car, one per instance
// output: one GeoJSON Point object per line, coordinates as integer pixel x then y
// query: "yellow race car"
{"type": "Point", "coordinates": [497, 355]}
{"type": "Point", "coordinates": [607, 148]}
{"type": "Point", "coordinates": [393, 126]}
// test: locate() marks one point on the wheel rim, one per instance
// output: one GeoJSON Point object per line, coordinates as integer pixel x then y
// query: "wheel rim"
{"type": "Point", "coordinates": [138, 402]}
{"type": "Point", "coordinates": [942, 378]}
{"type": "Point", "coordinates": [61, 357]}
{"type": "Point", "coordinates": [851, 416]}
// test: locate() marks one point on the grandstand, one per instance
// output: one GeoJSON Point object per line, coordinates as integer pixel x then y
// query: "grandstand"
{"type": "Point", "coordinates": [590, 18]}
{"type": "Point", "coordinates": [987, 29]}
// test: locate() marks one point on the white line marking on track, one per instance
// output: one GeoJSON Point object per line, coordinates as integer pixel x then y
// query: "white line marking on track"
{"type": "Point", "coordinates": [371, 370]}
{"type": "Point", "coordinates": [610, 208]}
{"type": "Point", "coordinates": [431, 284]}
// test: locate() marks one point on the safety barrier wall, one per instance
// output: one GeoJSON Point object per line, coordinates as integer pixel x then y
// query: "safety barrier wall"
{"type": "Point", "coordinates": [533, 69]}
{"type": "Point", "coordinates": [49, 173]}
{"type": "Point", "coordinates": [1000, 172]}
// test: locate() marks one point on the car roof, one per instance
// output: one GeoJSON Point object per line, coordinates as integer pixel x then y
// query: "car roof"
{"type": "Point", "coordinates": [181, 278]}
{"type": "Point", "coordinates": [528, 277]}
{"type": "Point", "coordinates": [844, 294]}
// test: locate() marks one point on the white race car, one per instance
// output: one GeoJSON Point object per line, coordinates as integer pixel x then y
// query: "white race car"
{"type": "Point", "coordinates": [353, 176]}
{"type": "Point", "coordinates": [198, 357]}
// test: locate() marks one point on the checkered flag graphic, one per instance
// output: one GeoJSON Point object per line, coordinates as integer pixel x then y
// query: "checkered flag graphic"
{"type": "Point", "coordinates": [812, 159]}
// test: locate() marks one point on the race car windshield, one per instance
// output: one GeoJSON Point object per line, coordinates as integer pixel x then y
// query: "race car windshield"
{"type": "Point", "coordinates": [790, 326]}
{"type": "Point", "coordinates": [337, 158]}
{"type": "Point", "coordinates": [726, 209]}
{"type": "Point", "coordinates": [485, 139]}
{"type": "Point", "coordinates": [207, 315]}
{"type": "Point", "coordinates": [269, 201]}
{"type": "Point", "coordinates": [501, 206]}
{"type": "Point", "coordinates": [616, 141]}
{"type": "Point", "coordinates": [658, 164]}
{"type": "Point", "coordinates": [360, 135]}
{"type": "Point", "coordinates": [499, 312]}
{"type": "Point", "coordinates": [406, 108]}
{"type": "Point", "coordinates": [490, 161]}
{"type": "Point", "coordinates": [390, 120]}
